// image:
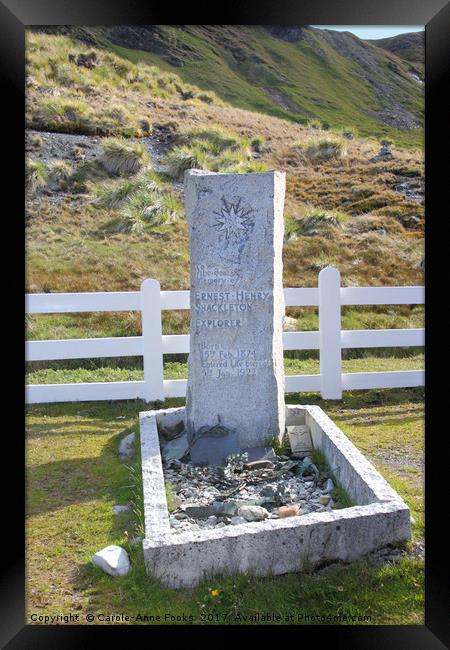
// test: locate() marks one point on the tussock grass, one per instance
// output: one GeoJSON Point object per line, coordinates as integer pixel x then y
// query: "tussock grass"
{"type": "Point", "coordinates": [120, 157]}
{"type": "Point", "coordinates": [58, 174]}
{"type": "Point", "coordinates": [215, 149]}
{"type": "Point", "coordinates": [35, 175]}
{"type": "Point", "coordinates": [317, 150]}
{"type": "Point", "coordinates": [184, 157]}
{"type": "Point", "coordinates": [146, 209]}
{"type": "Point", "coordinates": [325, 150]}
{"type": "Point", "coordinates": [317, 220]}
{"type": "Point", "coordinates": [114, 194]}
{"type": "Point", "coordinates": [142, 201]}
{"type": "Point", "coordinates": [102, 91]}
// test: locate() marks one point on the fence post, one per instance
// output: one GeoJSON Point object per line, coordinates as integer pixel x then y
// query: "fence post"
{"type": "Point", "coordinates": [152, 340]}
{"type": "Point", "coordinates": [330, 333]}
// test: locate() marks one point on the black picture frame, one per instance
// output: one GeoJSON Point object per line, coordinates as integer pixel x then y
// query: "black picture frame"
{"type": "Point", "coordinates": [15, 15]}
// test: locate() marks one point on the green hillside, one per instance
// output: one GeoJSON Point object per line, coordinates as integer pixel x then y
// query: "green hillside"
{"type": "Point", "coordinates": [300, 74]}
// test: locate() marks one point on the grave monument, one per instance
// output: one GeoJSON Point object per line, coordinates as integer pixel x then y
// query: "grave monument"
{"type": "Point", "coordinates": [235, 403]}
{"type": "Point", "coordinates": [235, 393]}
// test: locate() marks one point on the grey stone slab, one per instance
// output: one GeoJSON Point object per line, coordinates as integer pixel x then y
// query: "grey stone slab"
{"type": "Point", "coordinates": [211, 449]}
{"type": "Point", "coordinates": [236, 370]}
{"type": "Point", "coordinates": [176, 448]}
{"type": "Point", "coordinates": [300, 440]}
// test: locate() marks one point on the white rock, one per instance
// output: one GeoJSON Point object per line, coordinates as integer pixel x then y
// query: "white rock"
{"type": "Point", "coordinates": [126, 447]}
{"type": "Point", "coordinates": [253, 513]}
{"type": "Point", "coordinates": [118, 509]}
{"type": "Point", "coordinates": [329, 486]}
{"type": "Point", "coordinates": [113, 560]}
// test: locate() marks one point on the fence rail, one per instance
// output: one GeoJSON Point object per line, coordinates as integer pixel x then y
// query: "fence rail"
{"type": "Point", "coordinates": [329, 296]}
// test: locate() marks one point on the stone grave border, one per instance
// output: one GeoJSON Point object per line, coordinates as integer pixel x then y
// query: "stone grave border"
{"type": "Point", "coordinates": [273, 546]}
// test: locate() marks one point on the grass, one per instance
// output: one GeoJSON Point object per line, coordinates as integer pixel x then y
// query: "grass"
{"type": "Point", "coordinates": [130, 369]}
{"type": "Point", "coordinates": [139, 203]}
{"type": "Point", "coordinates": [35, 175]}
{"type": "Point", "coordinates": [214, 149]}
{"type": "Point", "coordinates": [322, 150]}
{"type": "Point", "coordinates": [104, 100]}
{"type": "Point", "coordinates": [59, 173]}
{"type": "Point", "coordinates": [120, 157]}
{"type": "Point", "coordinates": [316, 221]}
{"type": "Point", "coordinates": [70, 518]}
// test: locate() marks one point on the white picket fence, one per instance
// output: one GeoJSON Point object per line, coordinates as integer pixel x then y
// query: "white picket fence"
{"type": "Point", "coordinates": [152, 345]}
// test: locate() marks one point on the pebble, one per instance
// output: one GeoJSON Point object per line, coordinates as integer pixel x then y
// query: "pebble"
{"type": "Point", "coordinates": [324, 499]}
{"type": "Point", "coordinates": [118, 509]}
{"type": "Point", "coordinates": [329, 486]}
{"type": "Point", "coordinates": [113, 560]}
{"type": "Point", "coordinates": [237, 520]}
{"type": "Point", "coordinates": [253, 513]}
{"type": "Point", "coordinates": [288, 511]}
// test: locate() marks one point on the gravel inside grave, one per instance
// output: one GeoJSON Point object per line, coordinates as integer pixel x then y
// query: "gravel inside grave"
{"type": "Point", "coordinates": [210, 497]}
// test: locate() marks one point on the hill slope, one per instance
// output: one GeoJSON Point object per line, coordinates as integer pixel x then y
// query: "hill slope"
{"type": "Point", "coordinates": [410, 47]}
{"type": "Point", "coordinates": [297, 73]}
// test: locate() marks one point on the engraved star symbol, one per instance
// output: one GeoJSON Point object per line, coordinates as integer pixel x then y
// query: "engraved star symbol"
{"type": "Point", "coordinates": [233, 220]}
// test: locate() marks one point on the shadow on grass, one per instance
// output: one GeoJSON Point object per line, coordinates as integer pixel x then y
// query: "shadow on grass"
{"type": "Point", "coordinates": [61, 483]}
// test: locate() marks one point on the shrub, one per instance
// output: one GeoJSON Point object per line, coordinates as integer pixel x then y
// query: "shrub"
{"type": "Point", "coordinates": [290, 227]}
{"type": "Point", "coordinates": [123, 157]}
{"type": "Point", "coordinates": [243, 167]}
{"type": "Point", "coordinates": [35, 175]}
{"type": "Point", "coordinates": [316, 221]}
{"type": "Point", "coordinates": [145, 126]}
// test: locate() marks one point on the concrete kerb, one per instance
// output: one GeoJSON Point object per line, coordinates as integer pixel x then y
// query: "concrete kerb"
{"type": "Point", "coordinates": [272, 546]}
